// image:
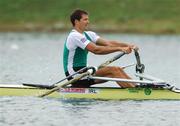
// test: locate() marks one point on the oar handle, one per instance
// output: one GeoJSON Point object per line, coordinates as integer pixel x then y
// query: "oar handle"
{"type": "Point", "coordinates": [111, 60]}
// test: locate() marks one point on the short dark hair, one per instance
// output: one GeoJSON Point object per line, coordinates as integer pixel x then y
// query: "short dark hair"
{"type": "Point", "coordinates": [77, 15]}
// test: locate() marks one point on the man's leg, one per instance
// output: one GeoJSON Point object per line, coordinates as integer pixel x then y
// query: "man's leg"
{"type": "Point", "coordinates": [114, 72]}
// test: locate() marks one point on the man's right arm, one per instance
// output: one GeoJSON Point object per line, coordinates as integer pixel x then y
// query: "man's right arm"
{"type": "Point", "coordinates": [96, 49]}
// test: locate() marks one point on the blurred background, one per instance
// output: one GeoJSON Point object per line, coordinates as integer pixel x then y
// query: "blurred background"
{"type": "Point", "coordinates": [129, 16]}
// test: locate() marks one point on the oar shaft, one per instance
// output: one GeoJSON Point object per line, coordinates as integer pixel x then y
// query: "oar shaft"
{"type": "Point", "coordinates": [130, 65]}
{"type": "Point", "coordinates": [81, 70]}
{"type": "Point", "coordinates": [111, 60]}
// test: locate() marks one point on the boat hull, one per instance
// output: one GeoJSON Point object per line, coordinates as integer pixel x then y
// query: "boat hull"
{"type": "Point", "coordinates": [102, 93]}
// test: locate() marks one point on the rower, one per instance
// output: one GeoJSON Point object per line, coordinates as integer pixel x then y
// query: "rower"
{"type": "Point", "coordinates": [79, 42]}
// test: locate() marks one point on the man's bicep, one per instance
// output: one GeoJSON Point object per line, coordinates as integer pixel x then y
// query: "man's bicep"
{"type": "Point", "coordinates": [91, 47]}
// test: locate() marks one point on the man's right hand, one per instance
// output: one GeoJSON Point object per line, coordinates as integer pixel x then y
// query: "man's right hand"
{"type": "Point", "coordinates": [126, 50]}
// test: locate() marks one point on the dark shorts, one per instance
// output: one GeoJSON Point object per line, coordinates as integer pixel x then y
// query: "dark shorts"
{"type": "Point", "coordinates": [85, 83]}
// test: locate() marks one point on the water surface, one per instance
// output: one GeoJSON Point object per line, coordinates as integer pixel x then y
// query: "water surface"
{"type": "Point", "coordinates": [37, 58]}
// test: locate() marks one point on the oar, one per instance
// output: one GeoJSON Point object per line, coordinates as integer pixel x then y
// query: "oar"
{"type": "Point", "coordinates": [130, 65]}
{"type": "Point", "coordinates": [111, 60]}
{"type": "Point", "coordinates": [139, 66]}
{"type": "Point", "coordinates": [59, 85]}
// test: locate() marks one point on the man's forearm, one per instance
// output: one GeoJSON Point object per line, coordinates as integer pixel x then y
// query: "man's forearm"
{"type": "Point", "coordinates": [120, 44]}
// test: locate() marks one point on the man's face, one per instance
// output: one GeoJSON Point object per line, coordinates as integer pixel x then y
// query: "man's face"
{"type": "Point", "coordinates": [84, 21]}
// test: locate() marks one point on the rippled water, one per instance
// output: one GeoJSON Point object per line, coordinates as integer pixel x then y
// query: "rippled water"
{"type": "Point", "coordinates": [37, 58]}
{"type": "Point", "coordinates": [30, 111]}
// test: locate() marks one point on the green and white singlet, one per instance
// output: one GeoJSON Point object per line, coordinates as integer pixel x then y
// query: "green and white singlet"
{"type": "Point", "coordinates": [75, 52]}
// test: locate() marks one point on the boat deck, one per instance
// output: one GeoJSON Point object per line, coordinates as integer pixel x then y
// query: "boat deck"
{"type": "Point", "coordinates": [103, 93]}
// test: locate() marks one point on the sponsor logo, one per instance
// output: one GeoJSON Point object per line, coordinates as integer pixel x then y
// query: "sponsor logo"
{"type": "Point", "coordinates": [147, 91]}
{"type": "Point", "coordinates": [72, 90]}
{"type": "Point", "coordinates": [83, 40]}
{"type": "Point", "coordinates": [93, 91]}
{"type": "Point", "coordinates": [78, 90]}
{"type": "Point", "coordinates": [133, 90]}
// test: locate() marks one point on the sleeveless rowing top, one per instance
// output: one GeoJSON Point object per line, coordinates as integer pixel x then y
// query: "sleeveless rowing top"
{"type": "Point", "coordinates": [75, 52]}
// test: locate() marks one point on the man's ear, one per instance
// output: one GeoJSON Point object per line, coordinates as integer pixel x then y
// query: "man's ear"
{"type": "Point", "coordinates": [76, 21]}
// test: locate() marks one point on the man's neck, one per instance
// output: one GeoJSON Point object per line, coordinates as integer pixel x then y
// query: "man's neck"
{"type": "Point", "coordinates": [79, 30]}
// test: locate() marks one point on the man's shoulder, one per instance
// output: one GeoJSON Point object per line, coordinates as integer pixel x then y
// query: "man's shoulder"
{"type": "Point", "coordinates": [74, 33]}
{"type": "Point", "coordinates": [90, 32]}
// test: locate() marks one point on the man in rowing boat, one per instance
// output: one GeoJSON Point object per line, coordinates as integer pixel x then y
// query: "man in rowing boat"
{"type": "Point", "coordinates": [79, 42]}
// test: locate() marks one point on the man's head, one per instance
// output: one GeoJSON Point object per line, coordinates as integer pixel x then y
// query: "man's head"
{"type": "Point", "coordinates": [79, 18]}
